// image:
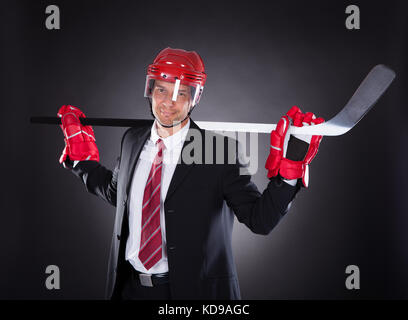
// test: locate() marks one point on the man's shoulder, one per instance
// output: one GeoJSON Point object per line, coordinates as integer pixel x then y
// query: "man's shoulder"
{"type": "Point", "coordinates": [214, 147]}
{"type": "Point", "coordinates": [209, 134]}
{"type": "Point", "coordinates": [133, 134]}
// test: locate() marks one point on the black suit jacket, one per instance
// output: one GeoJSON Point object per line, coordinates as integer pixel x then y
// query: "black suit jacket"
{"type": "Point", "coordinates": [199, 212]}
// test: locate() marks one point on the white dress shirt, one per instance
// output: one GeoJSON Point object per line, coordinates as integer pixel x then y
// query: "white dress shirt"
{"type": "Point", "coordinates": [173, 145]}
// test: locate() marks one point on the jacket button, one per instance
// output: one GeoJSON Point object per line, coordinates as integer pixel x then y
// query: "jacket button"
{"type": "Point", "coordinates": [172, 247]}
{"type": "Point", "coordinates": [170, 211]}
{"type": "Point", "coordinates": [118, 236]}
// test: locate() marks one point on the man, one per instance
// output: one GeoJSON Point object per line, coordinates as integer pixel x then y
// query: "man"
{"type": "Point", "coordinates": [174, 218]}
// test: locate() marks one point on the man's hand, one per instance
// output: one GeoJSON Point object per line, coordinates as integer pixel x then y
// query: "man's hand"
{"type": "Point", "coordinates": [290, 155]}
{"type": "Point", "coordinates": [79, 140]}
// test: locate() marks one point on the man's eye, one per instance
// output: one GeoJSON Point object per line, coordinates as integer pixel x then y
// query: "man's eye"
{"type": "Point", "coordinates": [182, 94]}
{"type": "Point", "coordinates": [161, 90]}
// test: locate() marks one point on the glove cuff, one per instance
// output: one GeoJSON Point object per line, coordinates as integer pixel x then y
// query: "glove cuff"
{"type": "Point", "coordinates": [290, 169]}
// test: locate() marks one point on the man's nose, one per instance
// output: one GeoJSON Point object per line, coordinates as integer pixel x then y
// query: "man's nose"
{"type": "Point", "coordinates": [168, 102]}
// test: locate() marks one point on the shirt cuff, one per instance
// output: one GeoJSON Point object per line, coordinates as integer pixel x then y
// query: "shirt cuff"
{"type": "Point", "coordinates": [75, 163]}
{"type": "Point", "coordinates": [292, 182]}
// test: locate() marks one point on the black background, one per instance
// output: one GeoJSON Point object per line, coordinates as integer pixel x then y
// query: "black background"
{"type": "Point", "coordinates": [261, 58]}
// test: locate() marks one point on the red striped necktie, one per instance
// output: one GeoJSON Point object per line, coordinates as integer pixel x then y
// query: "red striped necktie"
{"type": "Point", "coordinates": [150, 251]}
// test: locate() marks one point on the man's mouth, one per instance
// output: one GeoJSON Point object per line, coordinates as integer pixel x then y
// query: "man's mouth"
{"type": "Point", "coordinates": [166, 114]}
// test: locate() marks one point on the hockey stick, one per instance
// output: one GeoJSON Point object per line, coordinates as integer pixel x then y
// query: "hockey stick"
{"type": "Point", "coordinates": [367, 94]}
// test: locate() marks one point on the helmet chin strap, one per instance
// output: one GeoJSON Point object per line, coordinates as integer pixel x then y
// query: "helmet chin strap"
{"type": "Point", "coordinates": [165, 125]}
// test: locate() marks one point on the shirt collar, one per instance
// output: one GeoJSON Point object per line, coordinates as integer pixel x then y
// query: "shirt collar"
{"type": "Point", "coordinates": [171, 141]}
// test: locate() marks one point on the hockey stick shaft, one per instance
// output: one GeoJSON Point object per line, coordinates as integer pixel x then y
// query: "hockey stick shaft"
{"type": "Point", "coordinates": [207, 125]}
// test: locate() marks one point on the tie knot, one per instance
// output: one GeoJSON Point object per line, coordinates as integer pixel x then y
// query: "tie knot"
{"type": "Point", "coordinates": [160, 145]}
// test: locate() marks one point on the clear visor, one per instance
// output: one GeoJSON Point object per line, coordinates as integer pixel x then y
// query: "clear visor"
{"type": "Point", "coordinates": [174, 91]}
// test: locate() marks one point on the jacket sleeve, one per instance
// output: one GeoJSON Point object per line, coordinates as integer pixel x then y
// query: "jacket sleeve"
{"type": "Point", "coordinates": [99, 180]}
{"type": "Point", "coordinates": [259, 212]}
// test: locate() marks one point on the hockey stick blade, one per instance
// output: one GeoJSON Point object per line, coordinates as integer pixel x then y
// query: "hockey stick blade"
{"type": "Point", "coordinates": [367, 94]}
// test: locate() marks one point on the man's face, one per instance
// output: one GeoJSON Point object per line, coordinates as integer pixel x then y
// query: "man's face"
{"type": "Point", "coordinates": [164, 108]}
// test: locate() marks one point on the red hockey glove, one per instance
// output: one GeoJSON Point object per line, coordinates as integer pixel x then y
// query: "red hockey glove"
{"type": "Point", "coordinates": [79, 140]}
{"type": "Point", "coordinates": [290, 155]}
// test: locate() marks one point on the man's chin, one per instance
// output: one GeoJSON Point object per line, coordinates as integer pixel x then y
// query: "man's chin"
{"type": "Point", "coordinates": [167, 122]}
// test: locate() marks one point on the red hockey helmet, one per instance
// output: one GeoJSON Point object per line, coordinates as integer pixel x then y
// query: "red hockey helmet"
{"type": "Point", "coordinates": [180, 67]}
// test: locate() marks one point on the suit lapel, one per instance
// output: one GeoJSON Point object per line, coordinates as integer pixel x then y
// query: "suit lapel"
{"type": "Point", "coordinates": [182, 169]}
{"type": "Point", "coordinates": [137, 147]}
